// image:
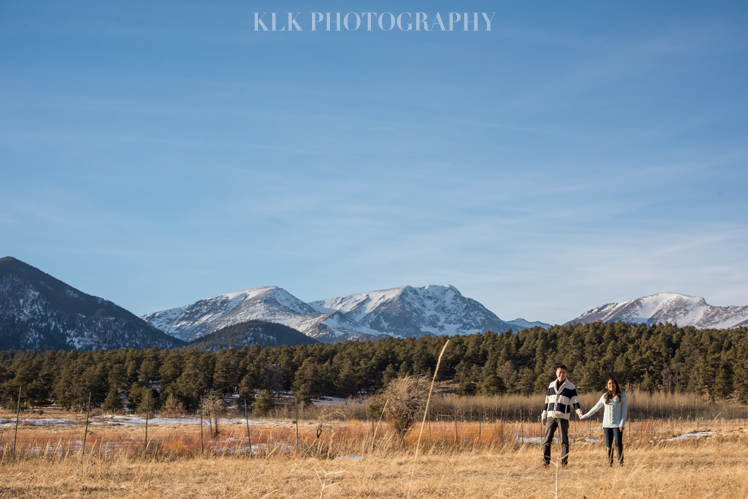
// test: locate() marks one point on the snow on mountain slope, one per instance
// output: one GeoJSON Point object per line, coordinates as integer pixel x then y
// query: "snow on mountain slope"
{"type": "Point", "coordinates": [38, 311]}
{"type": "Point", "coordinates": [403, 312]}
{"type": "Point", "coordinates": [413, 312]}
{"type": "Point", "coordinates": [270, 304]}
{"type": "Point", "coordinates": [668, 307]}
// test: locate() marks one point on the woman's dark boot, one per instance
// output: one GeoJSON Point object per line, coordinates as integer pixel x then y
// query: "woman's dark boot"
{"type": "Point", "coordinates": [619, 451]}
{"type": "Point", "coordinates": [610, 456]}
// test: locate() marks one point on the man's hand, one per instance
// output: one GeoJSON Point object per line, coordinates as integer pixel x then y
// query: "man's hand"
{"type": "Point", "coordinates": [620, 428]}
{"type": "Point", "coordinates": [543, 421]}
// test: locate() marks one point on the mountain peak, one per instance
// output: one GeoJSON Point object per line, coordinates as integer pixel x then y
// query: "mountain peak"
{"type": "Point", "coordinates": [404, 311]}
{"type": "Point", "coordinates": [267, 303]}
{"type": "Point", "coordinates": [40, 311]}
{"type": "Point", "coordinates": [414, 311]}
{"type": "Point", "coordinates": [675, 308]}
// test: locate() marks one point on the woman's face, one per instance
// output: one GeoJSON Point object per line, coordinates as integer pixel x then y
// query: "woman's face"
{"type": "Point", "coordinates": [611, 385]}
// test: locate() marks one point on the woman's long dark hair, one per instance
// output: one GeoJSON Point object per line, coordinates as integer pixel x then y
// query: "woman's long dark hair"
{"type": "Point", "coordinates": [611, 395]}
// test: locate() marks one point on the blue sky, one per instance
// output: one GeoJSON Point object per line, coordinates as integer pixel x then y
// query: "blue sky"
{"type": "Point", "coordinates": [579, 153]}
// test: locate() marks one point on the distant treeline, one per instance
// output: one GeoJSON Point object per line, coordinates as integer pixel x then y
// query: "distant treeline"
{"type": "Point", "coordinates": [711, 363]}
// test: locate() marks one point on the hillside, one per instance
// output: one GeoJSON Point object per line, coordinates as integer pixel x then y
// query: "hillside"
{"type": "Point", "coordinates": [263, 334]}
{"type": "Point", "coordinates": [38, 311]}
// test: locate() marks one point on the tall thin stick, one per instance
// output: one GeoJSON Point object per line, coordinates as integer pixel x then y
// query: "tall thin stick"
{"type": "Point", "coordinates": [296, 422]}
{"type": "Point", "coordinates": [202, 449]}
{"type": "Point", "coordinates": [246, 418]}
{"type": "Point", "coordinates": [85, 431]}
{"type": "Point", "coordinates": [378, 422]}
{"type": "Point", "coordinates": [18, 414]}
{"type": "Point", "coordinates": [147, 404]}
{"type": "Point", "coordinates": [457, 443]}
{"type": "Point", "coordinates": [425, 413]}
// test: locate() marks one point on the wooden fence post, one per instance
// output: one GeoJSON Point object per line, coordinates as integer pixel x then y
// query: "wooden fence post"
{"type": "Point", "coordinates": [246, 418]}
{"type": "Point", "coordinates": [296, 422]}
{"type": "Point", "coordinates": [15, 433]}
{"type": "Point", "coordinates": [147, 406]}
{"type": "Point", "coordinates": [85, 431]}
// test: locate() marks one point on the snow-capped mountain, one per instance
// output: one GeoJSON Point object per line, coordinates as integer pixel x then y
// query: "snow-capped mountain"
{"type": "Point", "coordinates": [403, 312]}
{"type": "Point", "coordinates": [669, 307]}
{"type": "Point", "coordinates": [39, 311]}
{"type": "Point", "coordinates": [413, 312]}
{"type": "Point", "coordinates": [269, 304]}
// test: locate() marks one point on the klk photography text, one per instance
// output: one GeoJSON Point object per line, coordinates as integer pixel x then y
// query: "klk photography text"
{"type": "Point", "coordinates": [373, 21]}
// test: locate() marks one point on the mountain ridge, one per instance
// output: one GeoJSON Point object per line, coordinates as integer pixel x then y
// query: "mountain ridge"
{"type": "Point", "coordinates": [682, 310]}
{"type": "Point", "coordinates": [264, 334]}
{"type": "Point", "coordinates": [404, 311]}
{"type": "Point", "coordinates": [40, 311]}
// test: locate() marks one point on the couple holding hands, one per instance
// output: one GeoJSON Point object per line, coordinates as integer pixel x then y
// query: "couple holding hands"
{"type": "Point", "coordinates": [562, 395]}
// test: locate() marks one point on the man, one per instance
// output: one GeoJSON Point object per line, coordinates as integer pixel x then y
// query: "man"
{"type": "Point", "coordinates": [561, 395]}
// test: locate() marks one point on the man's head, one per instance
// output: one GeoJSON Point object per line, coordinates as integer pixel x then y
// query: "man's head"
{"type": "Point", "coordinates": [561, 373]}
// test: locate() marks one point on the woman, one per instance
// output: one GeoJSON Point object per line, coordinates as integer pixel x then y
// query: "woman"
{"type": "Point", "coordinates": [614, 418]}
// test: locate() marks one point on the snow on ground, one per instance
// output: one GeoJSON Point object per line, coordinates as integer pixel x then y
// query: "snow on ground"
{"type": "Point", "coordinates": [134, 421]}
{"type": "Point", "coordinates": [686, 436]}
{"type": "Point", "coordinates": [333, 401]}
{"type": "Point", "coordinates": [6, 423]}
{"type": "Point", "coordinates": [538, 440]}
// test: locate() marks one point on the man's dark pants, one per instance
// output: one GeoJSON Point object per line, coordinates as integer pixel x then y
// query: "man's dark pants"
{"type": "Point", "coordinates": [550, 429]}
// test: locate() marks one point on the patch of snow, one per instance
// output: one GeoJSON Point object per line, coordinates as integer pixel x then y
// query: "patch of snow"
{"type": "Point", "coordinates": [136, 421]}
{"type": "Point", "coordinates": [538, 440]}
{"type": "Point", "coordinates": [40, 422]}
{"type": "Point", "coordinates": [686, 436]}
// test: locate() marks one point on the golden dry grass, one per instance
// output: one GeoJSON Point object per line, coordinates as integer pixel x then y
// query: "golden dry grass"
{"type": "Point", "coordinates": [709, 469]}
{"type": "Point", "coordinates": [457, 460]}
{"type": "Point", "coordinates": [715, 467]}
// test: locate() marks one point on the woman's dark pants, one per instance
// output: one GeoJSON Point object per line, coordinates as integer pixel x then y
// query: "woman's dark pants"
{"type": "Point", "coordinates": [610, 435]}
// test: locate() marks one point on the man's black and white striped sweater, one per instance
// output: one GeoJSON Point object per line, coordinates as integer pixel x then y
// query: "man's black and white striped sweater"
{"type": "Point", "coordinates": [558, 401]}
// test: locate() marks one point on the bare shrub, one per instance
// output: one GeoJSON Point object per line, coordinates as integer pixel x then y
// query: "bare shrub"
{"type": "Point", "coordinates": [406, 399]}
{"type": "Point", "coordinates": [332, 413]}
{"type": "Point", "coordinates": [172, 407]}
{"type": "Point", "coordinates": [213, 408]}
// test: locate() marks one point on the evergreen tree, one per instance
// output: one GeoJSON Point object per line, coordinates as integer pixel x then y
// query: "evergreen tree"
{"type": "Point", "coordinates": [492, 385]}
{"type": "Point", "coordinates": [264, 404]}
{"type": "Point", "coordinates": [112, 403]}
{"type": "Point", "coordinates": [390, 373]}
{"type": "Point", "coordinates": [225, 377]}
{"type": "Point", "coordinates": [723, 386]}
{"type": "Point", "coordinates": [247, 388]}
{"type": "Point", "coordinates": [302, 396]}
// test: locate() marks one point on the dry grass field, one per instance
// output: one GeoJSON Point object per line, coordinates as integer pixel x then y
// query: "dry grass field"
{"type": "Point", "coordinates": [715, 468]}
{"type": "Point", "coordinates": [348, 460]}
